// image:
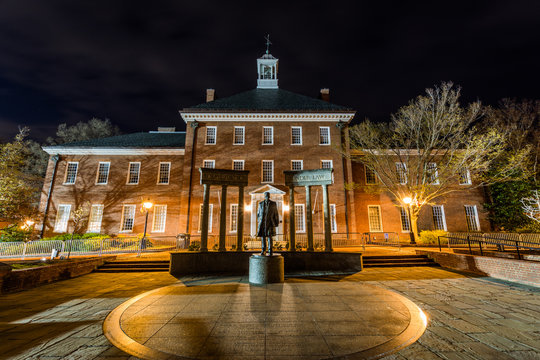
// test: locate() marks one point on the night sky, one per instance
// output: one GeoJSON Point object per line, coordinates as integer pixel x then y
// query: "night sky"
{"type": "Point", "coordinates": [138, 62]}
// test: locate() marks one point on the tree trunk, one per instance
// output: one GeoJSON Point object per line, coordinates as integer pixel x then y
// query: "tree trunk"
{"type": "Point", "coordinates": [414, 225]}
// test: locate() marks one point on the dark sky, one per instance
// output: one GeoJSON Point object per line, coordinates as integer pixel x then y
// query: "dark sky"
{"type": "Point", "coordinates": [139, 62]}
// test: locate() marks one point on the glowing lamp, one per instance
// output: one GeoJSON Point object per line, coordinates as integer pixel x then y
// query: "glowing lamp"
{"type": "Point", "coordinates": [407, 200]}
{"type": "Point", "coordinates": [147, 205]}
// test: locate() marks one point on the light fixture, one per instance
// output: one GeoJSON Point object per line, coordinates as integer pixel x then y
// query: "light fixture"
{"type": "Point", "coordinates": [285, 207]}
{"type": "Point", "coordinates": [407, 200]}
{"type": "Point", "coordinates": [148, 205]}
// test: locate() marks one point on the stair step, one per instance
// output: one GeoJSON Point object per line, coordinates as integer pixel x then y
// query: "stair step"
{"type": "Point", "coordinates": [402, 264]}
{"type": "Point", "coordinates": [117, 270]}
{"type": "Point", "coordinates": [112, 265]}
{"type": "Point", "coordinates": [367, 260]}
{"type": "Point", "coordinates": [395, 256]}
{"type": "Point", "coordinates": [139, 262]}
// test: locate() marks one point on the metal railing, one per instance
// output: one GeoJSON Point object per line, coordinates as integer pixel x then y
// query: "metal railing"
{"type": "Point", "coordinates": [78, 247]}
{"type": "Point", "coordinates": [483, 242]}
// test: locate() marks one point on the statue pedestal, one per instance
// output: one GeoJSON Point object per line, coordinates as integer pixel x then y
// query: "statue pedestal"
{"type": "Point", "coordinates": [266, 269]}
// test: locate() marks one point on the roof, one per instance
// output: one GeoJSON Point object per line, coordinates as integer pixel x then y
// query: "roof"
{"type": "Point", "coordinates": [268, 100]}
{"type": "Point", "coordinates": [135, 140]}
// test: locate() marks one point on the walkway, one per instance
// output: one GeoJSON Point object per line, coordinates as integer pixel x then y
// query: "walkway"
{"type": "Point", "coordinates": [469, 318]}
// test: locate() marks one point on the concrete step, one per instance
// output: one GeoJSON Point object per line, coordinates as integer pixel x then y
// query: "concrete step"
{"type": "Point", "coordinates": [401, 264]}
{"type": "Point", "coordinates": [395, 260]}
{"type": "Point", "coordinates": [140, 266]}
{"type": "Point", "coordinates": [394, 256]}
{"type": "Point", "coordinates": [398, 261]}
{"type": "Point", "coordinates": [118, 270]}
{"type": "Point", "coordinates": [135, 266]}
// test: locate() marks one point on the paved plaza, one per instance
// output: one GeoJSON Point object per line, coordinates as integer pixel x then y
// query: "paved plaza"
{"type": "Point", "coordinates": [468, 318]}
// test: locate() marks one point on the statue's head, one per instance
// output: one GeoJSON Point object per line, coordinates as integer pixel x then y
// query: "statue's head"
{"type": "Point", "coordinates": [266, 195]}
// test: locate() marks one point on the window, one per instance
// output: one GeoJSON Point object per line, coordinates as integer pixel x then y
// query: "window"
{"type": "Point", "coordinates": [234, 217]}
{"type": "Point", "coordinates": [371, 176]}
{"type": "Point", "coordinates": [326, 164]}
{"type": "Point", "coordinates": [296, 135]}
{"type": "Point", "coordinates": [211, 135]}
{"type": "Point", "coordinates": [401, 170]}
{"type": "Point", "coordinates": [333, 223]}
{"type": "Point", "coordinates": [438, 217]}
{"type": "Point", "coordinates": [133, 173]}
{"type": "Point", "coordinates": [128, 218]}
{"type": "Point", "coordinates": [268, 171]}
{"type": "Point", "coordinates": [268, 135]}
{"type": "Point", "coordinates": [62, 218]}
{"type": "Point", "coordinates": [297, 164]}
{"type": "Point", "coordinates": [94, 220]}
{"type": "Point", "coordinates": [374, 218]}
{"type": "Point", "coordinates": [299, 218]}
{"type": "Point", "coordinates": [432, 175]}
{"type": "Point", "coordinates": [210, 210]}
{"type": "Point", "coordinates": [71, 172]}
{"type": "Point", "coordinates": [472, 218]}
{"type": "Point", "coordinates": [324, 135]}
{"type": "Point", "coordinates": [405, 223]}
{"type": "Point", "coordinates": [465, 177]}
{"type": "Point", "coordinates": [164, 171]}
{"type": "Point", "coordinates": [238, 164]}
{"type": "Point", "coordinates": [238, 135]}
{"type": "Point", "coordinates": [160, 216]}
{"type": "Point", "coordinates": [209, 164]}
{"type": "Point", "coordinates": [103, 173]}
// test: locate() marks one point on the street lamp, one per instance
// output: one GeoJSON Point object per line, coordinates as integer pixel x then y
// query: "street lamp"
{"type": "Point", "coordinates": [407, 200]}
{"type": "Point", "coordinates": [147, 205]}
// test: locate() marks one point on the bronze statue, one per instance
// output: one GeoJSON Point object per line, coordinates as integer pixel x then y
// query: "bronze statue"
{"type": "Point", "coordinates": [267, 219]}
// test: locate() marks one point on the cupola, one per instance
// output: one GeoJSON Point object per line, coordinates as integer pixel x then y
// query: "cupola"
{"type": "Point", "coordinates": [267, 69]}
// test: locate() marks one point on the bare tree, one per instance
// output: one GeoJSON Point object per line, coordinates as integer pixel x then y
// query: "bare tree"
{"type": "Point", "coordinates": [429, 147]}
{"type": "Point", "coordinates": [79, 217]}
{"type": "Point", "coordinates": [531, 206]}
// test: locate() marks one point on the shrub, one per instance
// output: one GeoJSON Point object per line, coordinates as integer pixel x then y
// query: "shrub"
{"type": "Point", "coordinates": [429, 237]}
{"type": "Point", "coordinates": [194, 246]}
{"type": "Point", "coordinates": [67, 236]}
{"type": "Point", "coordinates": [15, 233]}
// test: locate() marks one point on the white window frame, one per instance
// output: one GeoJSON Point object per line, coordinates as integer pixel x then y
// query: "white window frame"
{"type": "Point", "coordinates": [129, 173]}
{"type": "Point", "coordinates": [92, 221]}
{"type": "Point", "coordinates": [206, 135]}
{"type": "Point", "coordinates": [366, 176]}
{"type": "Point", "coordinates": [297, 161]}
{"type": "Point", "coordinates": [329, 161]}
{"type": "Point", "coordinates": [243, 135]}
{"type": "Point", "coordinates": [108, 171]}
{"type": "Point", "coordinates": [333, 218]}
{"type": "Point", "coordinates": [404, 218]}
{"type": "Point", "coordinates": [233, 210]}
{"type": "Point", "coordinates": [271, 135]}
{"type": "Point", "coordinates": [213, 162]}
{"type": "Point", "coordinates": [380, 219]}
{"type": "Point", "coordinates": [476, 219]}
{"type": "Point", "coordinates": [76, 172]}
{"type": "Point", "coordinates": [124, 206]}
{"type": "Point", "coordinates": [210, 211]}
{"type": "Point", "coordinates": [401, 172]}
{"type": "Point", "coordinates": [468, 177]}
{"type": "Point", "coordinates": [301, 139]}
{"type": "Point", "coordinates": [262, 171]}
{"type": "Point", "coordinates": [155, 213]}
{"type": "Point", "coordinates": [321, 136]}
{"type": "Point", "coordinates": [435, 177]}
{"type": "Point", "coordinates": [443, 217]}
{"type": "Point", "coordinates": [61, 223]}
{"type": "Point", "coordinates": [296, 223]}
{"type": "Point", "coordinates": [239, 161]}
{"type": "Point", "coordinates": [168, 173]}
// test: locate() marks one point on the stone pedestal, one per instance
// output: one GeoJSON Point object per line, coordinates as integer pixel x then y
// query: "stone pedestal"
{"type": "Point", "coordinates": [266, 269]}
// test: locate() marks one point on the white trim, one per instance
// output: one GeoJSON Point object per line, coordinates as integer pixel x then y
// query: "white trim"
{"type": "Point", "coordinates": [243, 135]}
{"type": "Point", "coordinates": [242, 161]}
{"type": "Point", "coordinates": [441, 207]}
{"type": "Point", "coordinates": [210, 212]}
{"type": "Point", "coordinates": [380, 218]}
{"type": "Point", "coordinates": [328, 160]}
{"type": "Point", "coordinates": [206, 135]}
{"type": "Point", "coordinates": [301, 136]}
{"type": "Point", "coordinates": [406, 212]}
{"type": "Point", "coordinates": [301, 164]}
{"type": "Point", "coordinates": [100, 212]}
{"type": "Point", "coordinates": [476, 219]}
{"type": "Point", "coordinates": [122, 218]}
{"type": "Point", "coordinates": [333, 218]}
{"type": "Point", "coordinates": [168, 173]}
{"type": "Point", "coordinates": [329, 138]}
{"type": "Point", "coordinates": [76, 173]}
{"type": "Point", "coordinates": [62, 221]}
{"type": "Point", "coordinates": [401, 166]}
{"type": "Point", "coordinates": [64, 150]}
{"type": "Point", "coordinates": [303, 212]}
{"type": "Point", "coordinates": [312, 116]}
{"type": "Point", "coordinates": [231, 217]}
{"type": "Point", "coordinates": [209, 161]}
{"type": "Point", "coordinates": [271, 128]}
{"type": "Point", "coordinates": [433, 165]}
{"type": "Point", "coordinates": [365, 177]}
{"type": "Point", "coordinates": [262, 172]}
{"type": "Point", "coordinates": [129, 173]}
{"type": "Point", "coordinates": [108, 172]}
{"type": "Point", "coordinates": [468, 174]}
{"type": "Point", "coordinates": [154, 219]}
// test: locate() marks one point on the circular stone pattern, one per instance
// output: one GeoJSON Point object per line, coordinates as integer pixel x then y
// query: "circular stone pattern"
{"type": "Point", "coordinates": [296, 319]}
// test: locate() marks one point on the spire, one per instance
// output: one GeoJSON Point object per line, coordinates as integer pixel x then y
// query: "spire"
{"type": "Point", "coordinates": [267, 68]}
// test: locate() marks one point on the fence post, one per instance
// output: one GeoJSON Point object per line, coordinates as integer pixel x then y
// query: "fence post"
{"type": "Point", "coordinates": [24, 251]}
{"type": "Point", "coordinates": [517, 249]}
{"type": "Point", "coordinates": [439, 239]}
{"type": "Point", "coordinates": [100, 247]}
{"type": "Point", "coordinates": [480, 246]}
{"type": "Point", "coordinates": [63, 246]}
{"type": "Point", "coordinates": [469, 242]}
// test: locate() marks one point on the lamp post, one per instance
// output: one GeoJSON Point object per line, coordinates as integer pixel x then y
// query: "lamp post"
{"type": "Point", "coordinates": [28, 226]}
{"type": "Point", "coordinates": [147, 205]}
{"type": "Point", "coordinates": [407, 200]}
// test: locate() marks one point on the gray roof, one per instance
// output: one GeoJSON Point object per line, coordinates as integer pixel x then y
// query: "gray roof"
{"type": "Point", "coordinates": [135, 140]}
{"type": "Point", "coordinates": [268, 100]}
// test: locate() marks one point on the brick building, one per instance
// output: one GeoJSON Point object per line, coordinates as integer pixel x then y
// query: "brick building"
{"type": "Point", "coordinates": [265, 130]}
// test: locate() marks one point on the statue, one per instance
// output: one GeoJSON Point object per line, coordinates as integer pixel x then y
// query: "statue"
{"type": "Point", "coordinates": [267, 219]}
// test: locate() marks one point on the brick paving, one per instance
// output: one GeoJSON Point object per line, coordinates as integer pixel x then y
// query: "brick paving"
{"type": "Point", "coordinates": [469, 318]}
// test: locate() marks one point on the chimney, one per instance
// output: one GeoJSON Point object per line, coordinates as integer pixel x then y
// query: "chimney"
{"type": "Point", "coordinates": [325, 94]}
{"type": "Point", "coordinates": [166, 129]}
{"type": "Point", "coordinates": [210, 95]}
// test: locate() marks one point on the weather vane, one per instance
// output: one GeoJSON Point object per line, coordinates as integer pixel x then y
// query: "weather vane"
{"type": "Point", "coordinates": [268, 43]}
